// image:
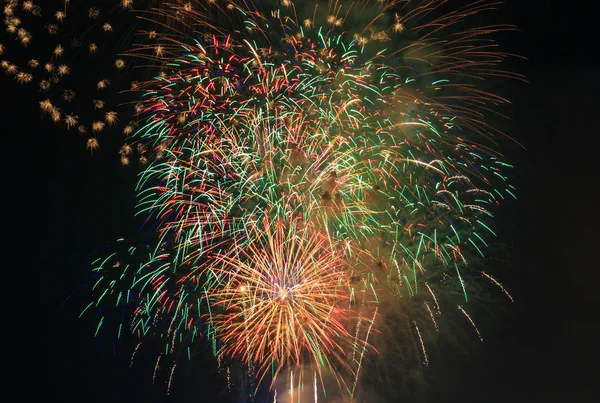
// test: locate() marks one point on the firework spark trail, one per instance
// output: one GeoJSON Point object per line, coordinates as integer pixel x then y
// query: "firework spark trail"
{"type": "Point", "coordinates": [362, 353]}
{"type": "Point", "coordinates": [304, 167]}
{"type": "Point", "coordinates": [496, 283]}
{"type": "Point", "coordinates": [425, 357]}
{"type": "Point", "coordinates": [471, 321]}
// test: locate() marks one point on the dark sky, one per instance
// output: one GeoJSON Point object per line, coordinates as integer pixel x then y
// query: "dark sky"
{"type": "Point", "coordinates": [62, 204]}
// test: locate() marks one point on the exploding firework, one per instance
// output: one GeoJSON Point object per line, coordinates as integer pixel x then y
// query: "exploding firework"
{"type": "Point", "coordinates": [313, 172]}
{"type": "Point", "coordinates": [284, 299]}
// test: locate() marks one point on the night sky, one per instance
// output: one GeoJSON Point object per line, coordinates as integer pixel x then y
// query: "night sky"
{"type": "Point", "coordinates": [61, 204]}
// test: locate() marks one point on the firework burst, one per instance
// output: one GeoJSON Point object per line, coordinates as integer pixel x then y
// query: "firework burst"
{"type": "Point", "coordinates": [285, 300]}
{"type": "Point", "coordinates": [313, 173]}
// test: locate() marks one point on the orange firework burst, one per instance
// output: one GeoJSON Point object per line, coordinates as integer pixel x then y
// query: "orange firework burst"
{"type": "Point", "coordinates": [285, 299]}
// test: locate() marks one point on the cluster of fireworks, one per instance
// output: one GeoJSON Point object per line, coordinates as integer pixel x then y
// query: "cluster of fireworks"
{"type": "Point", "coordinates": [314, 171]}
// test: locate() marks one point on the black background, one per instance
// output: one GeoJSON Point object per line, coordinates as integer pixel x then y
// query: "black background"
{"type": "Point", "coordinates": [60, 204]}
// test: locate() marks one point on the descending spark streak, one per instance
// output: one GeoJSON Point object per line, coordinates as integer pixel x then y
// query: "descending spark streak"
{"type": "Point", "coordinates": [133, 354]}
{"type": "Point", "coordinates": [493, 280]}
{"type": "Point", "coordinates": [425, 357]}
{"type": "Point", "coordinates": [315, 386]}
{"type": "Point", "coordinates": [471, 321]}
{"type": "Point", "coordinates": [171, 378]}
{"type": "Point", "coordinates": [364, 349]}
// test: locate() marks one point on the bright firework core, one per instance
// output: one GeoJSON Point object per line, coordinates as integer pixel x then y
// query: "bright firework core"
{"type": "Point", "coordinates": [283, 292]}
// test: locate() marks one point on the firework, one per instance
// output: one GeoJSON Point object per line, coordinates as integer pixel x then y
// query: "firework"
{"type": "Point", "coordinates": [313, 174]}
{"type": "Point", "coordinates": [283, 299]}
